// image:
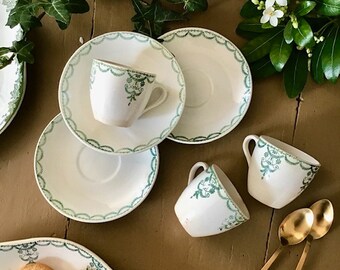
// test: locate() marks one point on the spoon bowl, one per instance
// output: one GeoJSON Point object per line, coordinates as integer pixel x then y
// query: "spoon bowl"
{"type": "Point", "coordinates": [292, 230]}
{"type": "Point", "coordinates": [323, 218]}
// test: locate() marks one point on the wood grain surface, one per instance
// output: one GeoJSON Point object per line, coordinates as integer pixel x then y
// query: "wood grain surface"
{"type": "Point", "coordinates": [151, 238]}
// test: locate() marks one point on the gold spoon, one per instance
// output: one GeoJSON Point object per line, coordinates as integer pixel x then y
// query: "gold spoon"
{"type": "Point", "coordinates": [323, 219]}
{"type": "Point", "coordinates": [293, 230]}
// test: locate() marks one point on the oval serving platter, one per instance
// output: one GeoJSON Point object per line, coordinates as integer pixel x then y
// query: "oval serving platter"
{"type": "Point", "coordinates": [12, 77]}
{"type": "Point", "coordinates": [59, 254]}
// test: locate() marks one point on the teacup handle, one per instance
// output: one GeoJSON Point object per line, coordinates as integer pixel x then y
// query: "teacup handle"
{"type": "Point", "coordinates": [245, 146]}
{"type": "Point", "coordinates": [195, 168]}
{"type": "Point", "coordinates": [158, 101]}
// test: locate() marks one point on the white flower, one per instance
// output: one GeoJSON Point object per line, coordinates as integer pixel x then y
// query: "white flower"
{"type": "Point", "coordinates": [271, 15]}
{"type": "Point", "coordinates": [281, 3]}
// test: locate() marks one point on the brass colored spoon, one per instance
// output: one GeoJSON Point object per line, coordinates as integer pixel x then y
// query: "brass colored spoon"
{"type": "Point", "coordinates": [293, 230]}
{"type": "Point", "coordinates": [323, 219]}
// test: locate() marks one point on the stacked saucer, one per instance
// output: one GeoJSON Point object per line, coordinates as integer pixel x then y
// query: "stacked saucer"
{"type": "Point", "coordinates": [93, 172]}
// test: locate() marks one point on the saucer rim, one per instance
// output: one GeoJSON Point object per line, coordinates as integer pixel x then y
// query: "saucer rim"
{"type": "Point", "coordinates": [247, 79]}
{"type": "Point", "coordinates": [56, 242]}
{"type": "Point", "coordinates": [58, 205]}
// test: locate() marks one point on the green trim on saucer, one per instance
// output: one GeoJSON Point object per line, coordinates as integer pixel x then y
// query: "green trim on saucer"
{"type": "Point", "coordinates": [39, 172]}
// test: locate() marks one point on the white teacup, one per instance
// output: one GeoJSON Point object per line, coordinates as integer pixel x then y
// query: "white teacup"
{"type": "Point", "coordinates": [278, 172]}
{"type": "Point", "coordinates": [210, 204]}
{"type": "Point", "coordinates": [120, 94]}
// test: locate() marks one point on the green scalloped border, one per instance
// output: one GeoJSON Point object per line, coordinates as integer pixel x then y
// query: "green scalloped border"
{"type": "Point", "coordinates": [39, 155]}
{"type": "Point", "coordinates": [85, 50]}
{"type": "Point", "coordinates": [219, 39]}
{"type": "Point", "coordinates": [94, 263]}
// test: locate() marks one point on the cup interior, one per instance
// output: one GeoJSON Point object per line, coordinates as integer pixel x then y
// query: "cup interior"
{"type": "Point", "coordinates": [123, 67]}
{"type": "Point", "coordinates": [292, 151]}
{"type": "Point", "coordinates": [231, 191]}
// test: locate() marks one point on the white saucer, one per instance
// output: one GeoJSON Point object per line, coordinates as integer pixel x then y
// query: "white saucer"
{"type": "Point", "coordinates": [131, 49]}
{"type": "Point", "coordinates": [218, 83]}
{"type": "Point", "coordinates": [86, 185]}
{"type": "Point", "coordinates": [57, 253]}
{"type": "Point", "coordinates": [12, 77]}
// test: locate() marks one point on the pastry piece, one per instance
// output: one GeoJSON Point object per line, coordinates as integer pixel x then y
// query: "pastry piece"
{"type": "Point", "coordinates": [36, 266]}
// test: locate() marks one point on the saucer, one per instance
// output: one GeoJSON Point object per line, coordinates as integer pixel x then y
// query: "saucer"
{"type": "Point", "coordinates": [218, 84]}
{"type": "Point", "coordinates": [87, 185]}
{"type": "Point", "coordinates": [57, 253]}
{"type": "Point", "coordinates": [12, 77]}
{"type": "Point", "coordinates": [137, 51]}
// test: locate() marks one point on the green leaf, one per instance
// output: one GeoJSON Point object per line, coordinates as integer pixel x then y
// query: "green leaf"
{"type": "Point", "coordinates": [23, 49]}
{"type": "Point", "coordinates": [280, 53]}
{"type": "Point", "coordinates": [260, 46]}
{"type": "Point", "coordinates": [250, 10]}
{"type": "Point", "coordinates": [262, 68]}
{"type": "Point", "coordinates": [252, 25]}
{"type": "Point", "coordinates": [4, 61]}
{"type": "Point", "coordinates": [4, 50]}
{"type": "Point", "coordinates": [288, 33]}
{"type": "Point", "coordinates": [304, 7]}
{"type": "Point", "coordinates": [316, 66]}
{"type": "Point", "coordinates": [150, 18]}
{"type": "Point", "coordinates": [195, 5]}
{"type": "Point", "coordinates": [58, 10]}
{"type": "Point", "coordinates": [330, 57]}
{"type": "Point", "coordinates": [328, 7]}
{"type": "Point", "coordinates": [24, 13]}
{"type": "Point", "coordinates": [303, 35]}
{"type": "Point", "coordinates": [77, 6]}
{"type": "Point", "coordinates": [246, 34]}
{"type": "Point", "coordinates": [295, 73]}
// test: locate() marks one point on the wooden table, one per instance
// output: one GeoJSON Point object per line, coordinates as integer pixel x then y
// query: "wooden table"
{"type": "Point", "coordinates": [151, 236]}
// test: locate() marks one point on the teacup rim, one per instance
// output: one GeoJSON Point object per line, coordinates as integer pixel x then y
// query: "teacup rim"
{"type": "Point", "coordinates": [245, 214]}
{"type": "Point", "coordinates": [122, 67]}
{"type": "Point", "coordinates": [313, 162]}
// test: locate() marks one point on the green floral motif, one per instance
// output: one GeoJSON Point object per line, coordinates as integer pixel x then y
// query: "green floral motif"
{"type": "Point", "coordinates": [309, 177]}
{"type": "Point", "coordinates": [95, 265]}
{"type": "Point", "coordinates": [207, 186]}
{"type": "Point", "coordinates": [271, 160]}
{"type": "Point", "coordinates": [28, 252]}
{"type": "Point", "coordinates": [135, 83]}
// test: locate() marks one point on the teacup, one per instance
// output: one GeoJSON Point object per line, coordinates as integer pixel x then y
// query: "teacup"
{"type": "Point", "coordinates": [278, 172]}
{"type": "Point", "coordinates": [120, 94]}
{"type": "Point", "coordinates": [210, 204]}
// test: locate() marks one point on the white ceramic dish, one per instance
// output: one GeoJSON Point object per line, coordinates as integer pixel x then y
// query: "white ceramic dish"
{"type": "Point", "coordinates": [59, 254]}
{"type": "Point", "coordinates": [218, 83]}
{"type": "Point", "coordinates": [130, 49]}
{"type": "Point", "coordinates": [87, 185]}
{"type": "Point", "coordinates": [12, 77]}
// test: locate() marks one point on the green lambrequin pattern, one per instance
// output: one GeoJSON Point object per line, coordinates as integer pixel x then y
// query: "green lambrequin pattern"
{"type": "Point", "coordinates": [222, 41]}
{"type": "Point", "coordinates": [85, 216]}
{"type": "Point", "coordinates": [29, 252]}
{"type": "Point", "coordinates": [273, 157]}
{"type": "Point", "coordinates": [210, 186]}
{"type": "Point", "coordinates": [85, 50]}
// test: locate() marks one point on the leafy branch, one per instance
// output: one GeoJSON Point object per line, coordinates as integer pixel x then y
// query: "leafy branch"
{"type": "Point", "coordinates": [293, 39]}
{"type": "Point", "coordinates": [28, 14]}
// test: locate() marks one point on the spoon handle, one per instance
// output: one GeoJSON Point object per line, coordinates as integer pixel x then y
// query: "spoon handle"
{"type": "Point", "coordinates": [272, 258]}
{"type": "Point", "coordinates": [304, 254]}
